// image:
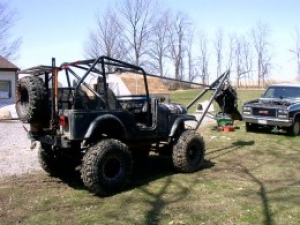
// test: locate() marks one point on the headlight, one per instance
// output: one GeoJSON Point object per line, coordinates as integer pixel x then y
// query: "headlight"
{"type": "Point", "coordinates": [282, 111]}
{"type": "Point", "coordinates": [282, 116]}
{"type": "Point", "coordinates": [246, 108]}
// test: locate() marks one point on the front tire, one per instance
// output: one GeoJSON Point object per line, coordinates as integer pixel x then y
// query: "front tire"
{"type": "Point", "coordinates": [107, 167]}
{"type": "Point", "coordinates": [294, 130]}
{"type": "Point", "coordinates": [250, 127]}
{"type": "Point", "coordinates": [188, 152]}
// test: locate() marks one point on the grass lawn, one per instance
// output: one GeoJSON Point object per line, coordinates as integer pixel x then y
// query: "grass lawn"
{"type": "Point", "coordinates": [248, 178]}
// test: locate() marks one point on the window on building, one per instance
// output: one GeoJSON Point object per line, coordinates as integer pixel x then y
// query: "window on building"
{"type": "Point", "coordinates": [5, 89]}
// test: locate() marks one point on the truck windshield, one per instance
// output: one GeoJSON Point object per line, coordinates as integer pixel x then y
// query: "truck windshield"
{"type": "Point", "coordinates": [282, 92]}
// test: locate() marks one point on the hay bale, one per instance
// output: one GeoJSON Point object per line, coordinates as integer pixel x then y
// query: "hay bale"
{"type": "Point", "coordinates": [5, 114]}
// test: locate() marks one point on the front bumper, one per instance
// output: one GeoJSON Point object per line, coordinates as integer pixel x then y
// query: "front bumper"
{"type": "Point", "coordinates": [267, 121]}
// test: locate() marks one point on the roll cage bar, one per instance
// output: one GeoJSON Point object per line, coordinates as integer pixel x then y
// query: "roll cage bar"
{"type": "Point", "coordinates": [99, 66]}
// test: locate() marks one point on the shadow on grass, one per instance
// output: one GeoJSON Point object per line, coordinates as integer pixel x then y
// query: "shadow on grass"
{"type": "Point", "coordinates": [230, 148]}
{"type": "Point", "coordinates": [144, 172]}
{"type": "Point", "coordinates": [157, 167]}
{"type": "Point", "coordinates": [268, 219]}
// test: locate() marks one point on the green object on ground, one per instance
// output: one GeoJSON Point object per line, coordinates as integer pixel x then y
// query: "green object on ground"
{"type": "Point", "coordinates": [223, 119]}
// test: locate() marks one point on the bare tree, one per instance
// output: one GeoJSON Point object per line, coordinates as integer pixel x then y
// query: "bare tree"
{"type": "Point", "coordinates": [296, 50]}
{"type": "Point", "coordinates": [159, 43]}
{"type": "Point", "coordinates": [238, 59]}
{"type": "Point", "coordinates": [231, 43]}
{"type": "Point", "coordinates": [203, 58]}
{"type": "Point", "coordinates": [137, 18]}
{"type": "Point", "coordinates": [177, 40]}
{"type": "Point", "coordinates": [218, 44]}
{"type": "Point", "coordinates": [260, 35]}
{"type": "Point", "coordinates": [242, 59]}
{"type": "Point", "coordinates": [192, 72]}
{"type": "Point", "coordinates": [105, 39]}
{"type": "Point", "coordinates": [247, 61]}
{"type": "Point", "coordinates": [9, 46]}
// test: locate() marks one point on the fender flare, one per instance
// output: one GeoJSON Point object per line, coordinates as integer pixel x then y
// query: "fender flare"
{"type": "Point", "coordinates": [100, 120]}
{"type": "Point", "coordinates": [178, 122]}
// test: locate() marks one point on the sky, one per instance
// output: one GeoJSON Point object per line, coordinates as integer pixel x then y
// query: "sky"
{"type": "Point", "coordinates": [59, 28]}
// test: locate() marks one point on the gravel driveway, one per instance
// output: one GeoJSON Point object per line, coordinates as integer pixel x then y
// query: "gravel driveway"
{"type": "Point", "coordinates": [15, 154]}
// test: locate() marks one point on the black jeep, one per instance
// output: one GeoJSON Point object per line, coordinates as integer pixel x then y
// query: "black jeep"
{"type": "Point", "coordinates": [93, 124]}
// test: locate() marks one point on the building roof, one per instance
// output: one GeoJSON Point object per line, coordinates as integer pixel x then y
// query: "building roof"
{"type": "Point", "coordinates": [5, 64]}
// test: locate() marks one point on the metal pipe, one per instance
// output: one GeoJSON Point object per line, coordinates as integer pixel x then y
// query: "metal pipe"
{"type": "Point", "coordinates": [219, 86]}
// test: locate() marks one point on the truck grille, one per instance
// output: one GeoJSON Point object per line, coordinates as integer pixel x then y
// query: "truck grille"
{"type": "Point", "coordinates": [264, 112]}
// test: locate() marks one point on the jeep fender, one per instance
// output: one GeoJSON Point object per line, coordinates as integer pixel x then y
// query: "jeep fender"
{"type": "Point", "coordinates": [180, 121]}
{"type": "Point", "coordinates": [102, 122]}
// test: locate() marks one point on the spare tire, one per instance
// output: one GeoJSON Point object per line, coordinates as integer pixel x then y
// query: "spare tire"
{"type": "Point", "coordinates": [31, 99]}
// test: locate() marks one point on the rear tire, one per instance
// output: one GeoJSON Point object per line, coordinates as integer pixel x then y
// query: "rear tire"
{"type": "Point", "coordinates": [54, 163]}
{"type": "Point", "coordinates": [31, 99]}
{"type": "Point", "coordinates": [107, 167]}
{"type": "Point", "coordinates": [46, 158]}
{"type": "Point", "coordinates": [188, 152]}
{"type": "Point", "coordinates": [294, 130]}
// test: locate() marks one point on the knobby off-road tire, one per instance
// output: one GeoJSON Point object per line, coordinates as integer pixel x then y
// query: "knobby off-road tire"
{"type": "Point", "coordinates": [107, 167]}
{"type": "Point", "coordinates": [48, 161]}
{"type": "Point", "coordinates": [54, 163]}
{"type": "Point", "coordinates": [188, 152]}
{"type": "Point", "coordinates": [294, 130]}
{"type": "Point", "coordinates": [31, 99]}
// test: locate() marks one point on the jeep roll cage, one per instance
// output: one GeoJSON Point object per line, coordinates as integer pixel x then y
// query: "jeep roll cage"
{"type": "Point", "coordinates": [99, 66]}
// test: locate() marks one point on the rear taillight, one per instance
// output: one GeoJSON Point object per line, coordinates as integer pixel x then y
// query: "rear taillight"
{"type": "Point", "coordinates": [63, 120]}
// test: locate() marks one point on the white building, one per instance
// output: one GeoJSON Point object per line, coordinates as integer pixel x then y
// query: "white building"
{"type": "Point", "coordinates": [8, 79]}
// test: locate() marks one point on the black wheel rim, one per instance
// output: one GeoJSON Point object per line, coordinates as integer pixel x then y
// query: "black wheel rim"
{"type": "Point", "coordinates": [112, 168]}
{"type": "Point", "coordinates": [194, 154]}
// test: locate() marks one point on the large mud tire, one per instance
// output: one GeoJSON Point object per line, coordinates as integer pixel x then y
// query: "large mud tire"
{"type": "Point", "coordinates": [54, 163]}
{"type": "Point", "coordinates": [31, 99]}
{"type": "Point", "coordinates": [188, 152]}
{"type": "Point", "coordinates": [107, 167]}
{"type": "Point", "coordinates": [48, 161]}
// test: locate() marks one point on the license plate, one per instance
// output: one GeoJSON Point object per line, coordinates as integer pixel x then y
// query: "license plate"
{"type": "Point", "coordinates": [263, 122]}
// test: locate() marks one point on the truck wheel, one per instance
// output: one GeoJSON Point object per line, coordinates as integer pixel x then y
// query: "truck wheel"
{"type": "Point", "coordinates": [188, 152]}
{"type": "Point", "coordinates": [251, 127]}
{"type": "Point", "coordinates": [55, 164]}
{"type": "Point", "coordinates": [31, 99]}
{"type": "Point", "coordinates": [107, 167]}
{"type": "Point", "coordinates": [48, 160]}
{"type": "Point", "coordinates": [294, 130]}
